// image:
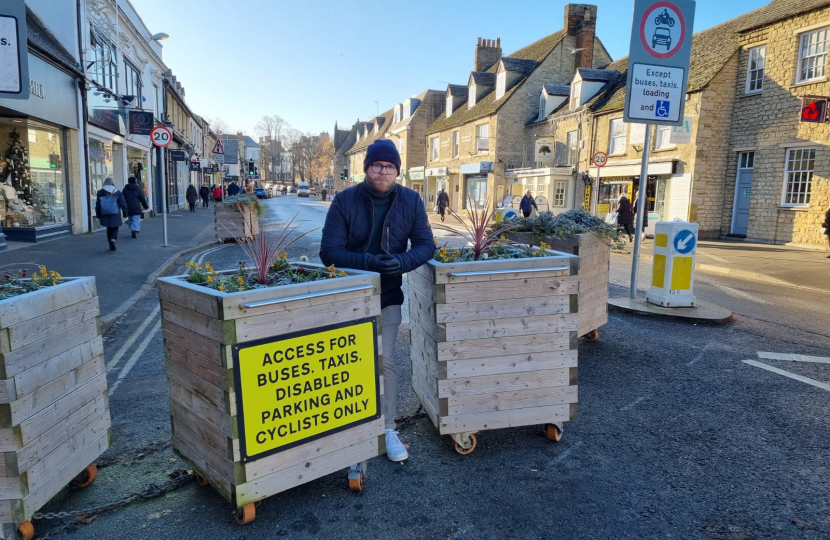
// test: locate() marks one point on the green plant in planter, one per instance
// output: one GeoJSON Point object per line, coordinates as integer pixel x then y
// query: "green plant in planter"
{"type": "Point", "coordinates": [242, 200]}
{"type": "Point", "coordinates": [15, 283]}
{"type": "Point", "coordinates": [547, 226]}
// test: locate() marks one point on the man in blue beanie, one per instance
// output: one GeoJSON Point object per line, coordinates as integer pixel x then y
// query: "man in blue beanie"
{"type": "Point", "coordinates": [368, 227]}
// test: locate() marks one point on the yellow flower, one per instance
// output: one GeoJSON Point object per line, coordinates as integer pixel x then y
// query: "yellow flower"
{"type": "Point", "coordinates": [43, 271]}
{"type": "Point", "coordinates": [342, 273]}
{"type": "Point", "coordinates": [503, 238]}
{"type": "Point", "coordinates": [53, 273]}
{"type": "Point", "coordinates": [209, 279]}
{"type": "Point", "coordinates": [221, 288]}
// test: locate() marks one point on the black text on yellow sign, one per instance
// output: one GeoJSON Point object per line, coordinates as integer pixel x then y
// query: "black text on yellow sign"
{"type": "Point", "coordinates": [299, 387]}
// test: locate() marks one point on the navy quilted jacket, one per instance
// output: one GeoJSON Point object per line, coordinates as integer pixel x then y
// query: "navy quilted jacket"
{"type": "Point", "coordinates": [348, 231]}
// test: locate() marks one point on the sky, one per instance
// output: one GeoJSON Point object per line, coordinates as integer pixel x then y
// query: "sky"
{"type": "Point", "coordinates": [317, 62]}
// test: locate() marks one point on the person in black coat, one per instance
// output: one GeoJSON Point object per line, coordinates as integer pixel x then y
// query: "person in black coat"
{"type": "Point", "coordinates": [826, 226]}
{"type": "Point", "coordinates": [233, 189]}
{"type": "Point", "coordinates": [528, 204]}
{"type": "Point", "coordinates": [109, 206]}
{"type": "Point", "coordinates": [136, 204]}
{"type": "Point", "coordinates": [191, 197]}
{"type": "Point", "coordinates": [443, 203]}
{"type": "Point", "coordinates": [625, 216]}
{"type": "Point", "coordinates": [382, 227]}
{"type": "Point", "coordinates": [204, 193]}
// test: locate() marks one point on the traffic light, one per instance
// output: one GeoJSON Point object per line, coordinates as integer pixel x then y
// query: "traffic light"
{"type": "Point", "coordinates": [344, 175]}
{"type": "Point", "coordinates": [251, 168]}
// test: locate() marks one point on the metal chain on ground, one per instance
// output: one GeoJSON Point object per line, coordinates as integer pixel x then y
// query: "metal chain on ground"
{"type": "Point", "coordinates": [151, 492]}
{"type": "Point", "coordinates": [406, 420]}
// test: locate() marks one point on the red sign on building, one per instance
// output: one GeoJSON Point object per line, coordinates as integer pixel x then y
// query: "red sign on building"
{"type": "Point", "coordinates": [814, 109]}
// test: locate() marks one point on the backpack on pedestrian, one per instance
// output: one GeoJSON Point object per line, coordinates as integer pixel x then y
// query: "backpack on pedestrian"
{"type": "Point", "coordinates": [109, 204]}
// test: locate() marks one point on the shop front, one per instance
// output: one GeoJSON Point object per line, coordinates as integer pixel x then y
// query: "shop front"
{"type": "Point", "coordinates": [661, 203]}
{"type": "Point", "coordinates": [554, 185]}
{"type": "Point", "coordinates": [476, 184]}
{"type": "Point", "coordinates": [415, 181]}
{"type": "Point", "coordinates": [37, 176]}
{"type": "Point", "coordinates": [178, 171]}
{"type": "Point", "coordinates": [436, 180]}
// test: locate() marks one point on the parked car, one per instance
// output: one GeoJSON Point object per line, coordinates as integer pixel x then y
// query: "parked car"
{"type": "Point", "coordinates": [292, 189]}
{"type": "Point", "coordinates": [312, 191]}
{"type": "Point", "coordinates": [302, 189]}
{"type": "Point", "coordinates": [261, 193]}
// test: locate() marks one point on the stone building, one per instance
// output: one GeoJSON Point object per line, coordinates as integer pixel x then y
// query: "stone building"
{"type": "Point", "coordinates": [365, 134]}
{"type": "Point", "coordinates": [410, 121]}
{"type": "Point", "coordinates": [482, 133]}
{"type": "Point", "coordinates": [777, 178]}
{"type": "Point", "coordinates": [343, 141]}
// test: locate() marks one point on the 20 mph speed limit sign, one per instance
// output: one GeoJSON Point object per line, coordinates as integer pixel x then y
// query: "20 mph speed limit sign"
{"type": "Point", "coordinates": [161, 136]}
{"type": "Point", "coordinates": [600, 159]}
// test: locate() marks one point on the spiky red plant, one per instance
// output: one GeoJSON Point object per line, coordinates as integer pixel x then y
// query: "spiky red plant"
{"type": "Point", "coordinates": [475, 231]}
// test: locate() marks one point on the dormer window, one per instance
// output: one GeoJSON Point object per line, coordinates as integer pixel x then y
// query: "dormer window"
{"type": "Point", "coordinates": [576, 90]}
{"type": "Point", "coordinates": [471, 98]}
{"type": "Point", "coordinates": [501, 84]}
{"type": "Point", "coordinates": [542, 105]}
{"type": "Point", "coordinates": [376, 129]}
{"type": "Point", "coordinates": [397, 117]}
{"type": "Point", "coordinates": [449, 105]}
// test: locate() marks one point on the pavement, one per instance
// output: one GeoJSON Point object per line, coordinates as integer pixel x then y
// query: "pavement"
{"type": "Point", "coordinates": [125, 275]}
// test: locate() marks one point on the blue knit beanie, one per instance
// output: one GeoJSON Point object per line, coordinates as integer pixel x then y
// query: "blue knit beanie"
{"type": "Point", "coordinates": [382, 150]}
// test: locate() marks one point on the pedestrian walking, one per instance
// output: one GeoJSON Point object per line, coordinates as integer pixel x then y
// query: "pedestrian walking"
{"type": "Point", "coordinates": [324, 194]}
{"type": "Point", "coordinates": [625, 216]}
{"type": "Point", "coordinates": [444, 203]}
{"type": "Point", "coordinates": [233, 189]}
{"type": "Point", "coordinates": [204, 193]}
{"type": "Point", "coordinates": [109, 207]}
{"type": "Point", "coordinates": [191, 197]}
{"type": "Point", "coordinates": [826, 228]}
{"type": "Point", "coordinates": [528, 204]}
{"type": "Point", "coordinates": [368, 227]}
{"type": "Point", "coordinates": [136, 204]}
{"type": "Point", "coordinates": [217, 193]}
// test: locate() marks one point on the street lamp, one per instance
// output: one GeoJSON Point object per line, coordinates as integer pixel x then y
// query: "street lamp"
{"type": "Point", "coordinates": [161, 36]}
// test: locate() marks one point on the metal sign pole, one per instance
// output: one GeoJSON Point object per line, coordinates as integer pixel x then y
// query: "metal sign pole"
{"type": "Point", "coordinates": [164, 196]}
{"type": "Point", "coordinates": [594, 209]}
{"type": "Point", "coordinates": [641, 205]}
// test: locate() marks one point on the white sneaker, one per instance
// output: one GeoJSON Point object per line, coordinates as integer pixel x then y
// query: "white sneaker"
{"type": "Point", "coordinates": [395, 450]}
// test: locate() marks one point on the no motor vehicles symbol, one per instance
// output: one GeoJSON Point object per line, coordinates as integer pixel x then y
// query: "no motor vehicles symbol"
{"type": "Point", "coordinates": [662, 30]}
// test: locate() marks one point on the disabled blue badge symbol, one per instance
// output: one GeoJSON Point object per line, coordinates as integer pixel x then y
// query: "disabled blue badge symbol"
{"type": "Point", "coordinates": [662, 108]}
{"type": "Point", "coordinates": [685, 241]}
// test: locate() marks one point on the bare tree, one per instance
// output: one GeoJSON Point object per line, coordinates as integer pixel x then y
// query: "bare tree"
{"type": "Point", "coordinates": [218, 125]}
{"type": "Point", "coordinates": [323, 161]}
{"type": "Point", "coordinates": [272, 131]}
{"type": "Point", "coordinates": [303, 147]}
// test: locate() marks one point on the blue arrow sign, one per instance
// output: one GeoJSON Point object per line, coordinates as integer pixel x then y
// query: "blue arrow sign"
{"type": "Point", "coordinates": [685, 241]}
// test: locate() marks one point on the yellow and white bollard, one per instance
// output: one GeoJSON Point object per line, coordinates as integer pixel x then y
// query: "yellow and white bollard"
{"type": "Point", "coordinates": [673, 274]}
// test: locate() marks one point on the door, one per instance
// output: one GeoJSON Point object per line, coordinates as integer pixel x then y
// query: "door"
{"type": "Point", "coordinates": [743, 193]}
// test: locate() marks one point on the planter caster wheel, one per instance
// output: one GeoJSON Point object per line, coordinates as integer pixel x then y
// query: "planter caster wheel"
{"type": "Point", "coordinates": [246, 514]}
{"type": "Point", "coordinates": [553, 432]}
{"type": "Point", "coordinates": [466, 451]}
{"type": "Point", "coordinates": [86, 477]}
{"type": "Point", "coordinates": [200, 480]}
{"type": "Point", "coordinates": [25, 531]}
{"type": "Point", "coordinates": [357, 476]}
{"type": "Point", "coordinates": [593, 335]}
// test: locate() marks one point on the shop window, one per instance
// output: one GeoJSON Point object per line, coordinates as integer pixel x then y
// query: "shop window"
{"type": "Point", "coordinates": [482, 138]}
{"type": "Point", "coordinates": [755, 69]}
{"type": "Point", "coordinates": [812, 55]}
{"type": "Point", "coordinates": [662, 138]}
{"type": "Point", "coordinates": [798, 177]}
{"type": "Point", "coordinates": [32, 168]}
{"type": "Point", "coordinates": [617, 143]}
{"type": "Point", "coordinates": [559, 193]}
{"type": "Point", "coordinates": [572, 147]}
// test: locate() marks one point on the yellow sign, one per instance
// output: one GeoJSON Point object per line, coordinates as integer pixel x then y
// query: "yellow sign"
{"type": "Point", "coordinates": [303, 386]}
{"type": "Point", "coordinates": [586, 200]}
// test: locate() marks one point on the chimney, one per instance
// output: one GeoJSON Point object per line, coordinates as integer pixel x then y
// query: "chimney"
{"type": "Point", "coordinates": [488, 52]}
{"type": "Point", "coordinates": [239, 136]}
{"type": "Point", "coordinates": [580, 22]}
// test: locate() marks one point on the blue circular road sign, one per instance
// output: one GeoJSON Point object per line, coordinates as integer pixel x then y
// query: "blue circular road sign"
{"type": "Point", "coordinates": [685, 241]}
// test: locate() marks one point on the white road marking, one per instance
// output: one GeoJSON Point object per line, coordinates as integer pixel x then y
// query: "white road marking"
{"type": "Point", "coordinates": [793, 357]}
{"type": "Point", "coordinates": [564, 454]}
{"type": "Point", "coordinates": [129, 343]}
{"type": "Point", "coordinates": [634, 403]}
{"type": "Point", "coordinates": [800, 378]}
{"type": "Point", "coordinates": [735, 292]}
{"type": "Point", "coordinates": [720, 259]}
{"type": "Point", "coordinates": [206, 252]}
{"type": "Point", "coordinates": [700, 354]}
{"type": "Point", "coordinates": [134, 358]}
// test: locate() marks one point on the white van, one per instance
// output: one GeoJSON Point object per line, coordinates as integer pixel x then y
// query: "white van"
{"type": "Point", "coordinates": [302, 189]}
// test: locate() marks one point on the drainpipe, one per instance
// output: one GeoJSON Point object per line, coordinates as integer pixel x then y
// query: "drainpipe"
{"type": "Point", "coordinates": [84, 105]}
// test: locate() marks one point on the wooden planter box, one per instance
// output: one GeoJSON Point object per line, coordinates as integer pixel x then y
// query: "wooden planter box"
{"type": "Point", "coordinates": [54, 411]}
{"type": "Point", "coordinates": [494, 344]}
{"type": "Point", "coordinates": [232, 223]}
{"type": "Point", "coordinates": [216, 418]}
{"type": "Point", "coordinates": [594, 272]}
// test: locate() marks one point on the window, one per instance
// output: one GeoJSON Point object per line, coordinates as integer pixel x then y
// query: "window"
{"type": "Point", "coordinates": [812, 55]}
{"type": "Point", "coordinates": [133, 87]}
{"type": "Point", "coordinates": [455, 137]}
{"type": "Point", "coordinates": [501, 84]}
{"type": "Point", "coordinates": [617, 145]}
{"type": "Point", "coordinates": [663, 135]}
{"type": "Point", "coordinates": [449, 106]}
{"type": "Point", "coordinates": [397, 117]}
{"type": "Point", "coordinates": [157, 101]}
{"type": "Point", "coordinates": [571, 143]}
{"type": "Point", "coordinates": [559, 194]}
{"type": "Point", "coordinates": [576, 91]}
{"type": "Point", "coordinates": [746, 160]}
{"type": "Point", "coordinates": [798, 177]}
{"type": "Point", "coordinates": [482, 138]}
{"type": "Point", "coordinates": [433, 149]}
{"type": "Point", "coordinates": [542, 106]}
{"type": "Point", "coordinates": [755, 69]}
{"type": "Point", "coordinates": [400, 145]}
{"type": "Point", "coordinates": [471, 99]}
{"type": "Point", "coordinates": [101, 66]}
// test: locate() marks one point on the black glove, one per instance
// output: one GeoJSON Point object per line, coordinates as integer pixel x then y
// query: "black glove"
{"type": "Point", "coordinates": [385, 264]}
